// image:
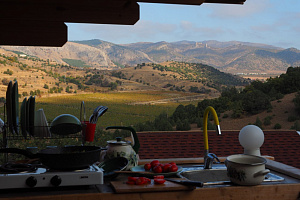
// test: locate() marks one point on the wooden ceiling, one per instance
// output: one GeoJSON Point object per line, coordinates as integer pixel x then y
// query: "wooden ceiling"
{"type": "Point", "coordinates": [42, 22]}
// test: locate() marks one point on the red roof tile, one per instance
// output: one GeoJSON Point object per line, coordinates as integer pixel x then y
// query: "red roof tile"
{"type": "Point", "coordinates": [284, 146]}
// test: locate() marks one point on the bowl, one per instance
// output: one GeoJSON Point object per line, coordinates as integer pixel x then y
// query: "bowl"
{"type": "Point", "coordinates": [65, 124]}
{"type": "Point", "coordinates": [111, 165]}
{"type": "Point", "coordinates": [246, 169]}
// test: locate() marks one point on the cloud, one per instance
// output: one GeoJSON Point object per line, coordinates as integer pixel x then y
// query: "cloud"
{"type": "Point", "coordinates": [251, 7]}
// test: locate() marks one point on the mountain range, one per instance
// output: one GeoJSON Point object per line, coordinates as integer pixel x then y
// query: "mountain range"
{"type": "Point", "coordinates": [231, 57]}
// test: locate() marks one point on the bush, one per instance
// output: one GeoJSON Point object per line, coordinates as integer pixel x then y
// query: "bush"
{"type": "Point", "coordinates": [296, 126]}
{"type": "Point", "coordinates": [277, 126]}
{"type": "Point", "coordinates": [267, 120]}
{"type": "Point", "coordinates": [292, 118]}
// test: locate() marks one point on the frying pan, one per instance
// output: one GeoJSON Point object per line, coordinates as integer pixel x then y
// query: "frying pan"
{"type": "Point", "coordinates": [63, 158]}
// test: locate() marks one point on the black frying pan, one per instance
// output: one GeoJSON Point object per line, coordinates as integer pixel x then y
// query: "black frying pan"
{"type": "Point", "coordinates": [63, 158]}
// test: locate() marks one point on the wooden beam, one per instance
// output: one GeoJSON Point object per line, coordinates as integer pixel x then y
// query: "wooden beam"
{"type": "Point", "coordinates": [90, 11]}
{"type": "Point", "coordinates": [226, 1]}
{"type": "Point", "coordinates": [32, 33]}
{"type": "Point", "coordinates": [185, 2]}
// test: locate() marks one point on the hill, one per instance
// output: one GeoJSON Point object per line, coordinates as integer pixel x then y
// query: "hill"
{"type": "Point", "coordinates": [281, 110]}
{"type": "Point", "coordinates": [41, 77]}
{"type": "Point", "coordinates": [232, 57]}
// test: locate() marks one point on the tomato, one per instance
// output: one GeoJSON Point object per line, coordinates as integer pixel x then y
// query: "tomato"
{"type": "Point", "coordinates": [166, 167]}
{"type": "Point", "coordinates": [159, 181]}
{"type": "Point", "coordinates": [173, 168]}
{"type": "Point", "coordinates": [172, 163]}
{"type": "Point", "coordinates": [131, 178]}
{"type": "Point", "coordinates": [147, 167]}
{"type": "Point", "coordinates": [153, 162]}
{"type": "Point", "coordinates": [157, 169]}
{"type": "Point", "coordinates": [130, 182]}
{"type": "Point", "coordinates": [159, 177]}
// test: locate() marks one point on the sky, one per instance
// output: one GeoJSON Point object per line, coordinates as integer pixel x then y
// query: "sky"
{"type": "Point", "coordinates": [272, 22]}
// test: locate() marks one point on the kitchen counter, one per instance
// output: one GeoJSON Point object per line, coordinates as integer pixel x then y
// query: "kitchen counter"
{"type": "Point", "coordinates": [287, 189]}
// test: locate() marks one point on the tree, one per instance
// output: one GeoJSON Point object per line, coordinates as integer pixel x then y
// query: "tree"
{"type": "Point", "coordinates": [255, 101]}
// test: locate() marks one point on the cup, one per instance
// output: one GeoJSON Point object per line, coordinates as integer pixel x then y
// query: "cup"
{"type": "Point", "coordinates": [246, 169]}
{"type": "Point", "coordinates": [88, 131]}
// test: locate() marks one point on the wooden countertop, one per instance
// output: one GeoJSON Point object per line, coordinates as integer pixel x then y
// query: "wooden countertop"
{"type": "Point", "coordinates": [287, 189]}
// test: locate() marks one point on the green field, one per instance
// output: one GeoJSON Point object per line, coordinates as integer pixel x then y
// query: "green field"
{"type": "Point", "coordinates": [122, 111]}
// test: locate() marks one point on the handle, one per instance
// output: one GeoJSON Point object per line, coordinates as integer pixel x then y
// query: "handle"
{"type": "Point", "coordinates": [136, 145]}
{"type": "Point", "coordinates": [192, 183]}
{"type": "Point", "coordinates": [84, 115]}
{"type": "Point", "coordinates": [261, 173]}
{"type": "Point", "coordinates": [19, 151]}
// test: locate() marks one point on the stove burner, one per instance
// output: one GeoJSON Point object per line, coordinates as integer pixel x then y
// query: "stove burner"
{"type": "Point", "coordinates": [17, 167]}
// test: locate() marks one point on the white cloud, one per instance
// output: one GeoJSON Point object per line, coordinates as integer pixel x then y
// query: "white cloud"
{"type": "Point", "coordinates": [251, 7]}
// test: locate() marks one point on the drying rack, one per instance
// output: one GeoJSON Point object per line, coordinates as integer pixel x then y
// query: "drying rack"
{"type": "Point", "coordinates": [8, 136]}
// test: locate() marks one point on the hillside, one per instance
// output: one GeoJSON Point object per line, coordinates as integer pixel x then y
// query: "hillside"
{"type": "Point", "coordinates": [232, 57]}
{"type": "Point", "coordinates": [41, 77]}
{"type": "Point", "coordinates": [281, 110]}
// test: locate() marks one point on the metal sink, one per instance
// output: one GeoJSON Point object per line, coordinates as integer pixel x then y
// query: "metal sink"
{"type": "Point", "coordinates": [205, 175]}
{"type": "Point", "coordinates": [216, 174]}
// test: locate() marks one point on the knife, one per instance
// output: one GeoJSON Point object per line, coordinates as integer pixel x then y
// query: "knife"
{"type": "Point", "coordinates": [187, 183]}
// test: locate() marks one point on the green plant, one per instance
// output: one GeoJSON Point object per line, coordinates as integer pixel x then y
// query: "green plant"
{"type": "Point", "coordinates": [277, 126]}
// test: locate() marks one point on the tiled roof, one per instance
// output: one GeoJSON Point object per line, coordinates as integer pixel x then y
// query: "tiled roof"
{"type": "Point", "coordinates": [284, 146]}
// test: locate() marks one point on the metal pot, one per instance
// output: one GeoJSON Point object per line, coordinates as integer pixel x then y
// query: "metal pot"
{"type": "Point", "coordinates": [246, 169]}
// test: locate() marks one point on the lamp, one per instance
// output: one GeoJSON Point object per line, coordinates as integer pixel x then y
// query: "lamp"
{"type": "Point", "coordinates": [251, 137]}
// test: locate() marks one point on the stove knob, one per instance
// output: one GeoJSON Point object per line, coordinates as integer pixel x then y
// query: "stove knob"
{"type": "Point", "coordinates": [31, 181]}
{"type": "Point", "coordinates": [55, 181]}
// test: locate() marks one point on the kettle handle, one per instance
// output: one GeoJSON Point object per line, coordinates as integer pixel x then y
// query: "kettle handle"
{"type": "Point", "coordinates": [136, 145]}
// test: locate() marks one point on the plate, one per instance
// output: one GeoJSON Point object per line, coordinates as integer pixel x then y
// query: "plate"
{"type": "Point", "coordinates": [23, 118]}
{"type": "Point", "coordinates": [15, 107]}
{"type": "Point", "coordinates": [30, 108]}
{"type": "Point", "coordinates": [9, 107]}
{"type": "Point", "coordinates": [141, 169]}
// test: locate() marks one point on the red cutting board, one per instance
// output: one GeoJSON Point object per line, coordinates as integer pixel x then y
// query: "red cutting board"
{"type": "Point", "coordinates": [122, 187]}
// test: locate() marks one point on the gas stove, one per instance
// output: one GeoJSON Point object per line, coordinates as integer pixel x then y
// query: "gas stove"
{"type": "Point", "coordinates": [33, 176]}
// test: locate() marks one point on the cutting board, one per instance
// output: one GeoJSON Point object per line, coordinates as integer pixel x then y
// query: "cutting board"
{"type": "Point", "coordinates": [122, 187]}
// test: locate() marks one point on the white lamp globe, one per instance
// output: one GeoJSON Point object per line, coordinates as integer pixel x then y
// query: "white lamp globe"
{"type": "Point", "coordinates": [251, 137]}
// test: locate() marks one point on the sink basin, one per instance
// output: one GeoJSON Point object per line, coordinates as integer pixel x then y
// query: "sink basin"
{"type": "Point", "coordinates": [205, 175]}
{"type": "Point", "coordinates": [216, 174]}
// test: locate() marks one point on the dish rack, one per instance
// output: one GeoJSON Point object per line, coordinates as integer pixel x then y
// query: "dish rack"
{"type": "Point", "coordinates": [10, 139]}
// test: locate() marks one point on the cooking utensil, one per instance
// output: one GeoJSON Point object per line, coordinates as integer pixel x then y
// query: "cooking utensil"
{"type": "Point", "coordinates": [63, 158]}
{"type": "Point", "coordinates": [245, 169]}
{"type": "Point", "coordinates": [98, 112]}
{"type": "Point", "coordinates": [110, 166]}
{"type": "Point", "coordinates": [65, 124]}
{"type": "Point", "coordinates": [187, 183]}
{"type": "Point", "coordinates": [30, 114]}
{"type": "Point", "coordinates": [9, 107]}
{"type": "Point", "coordinates": [23, 118]}
{"type": "Point", "coordinates": [15, 107]}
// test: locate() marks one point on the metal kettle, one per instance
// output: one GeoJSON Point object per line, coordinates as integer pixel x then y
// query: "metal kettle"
{"type": "Point", "coordinates": [119, 148]}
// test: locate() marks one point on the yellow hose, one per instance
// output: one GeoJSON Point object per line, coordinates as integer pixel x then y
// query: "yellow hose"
{"type": "Point", "coordinates": [205, 121]}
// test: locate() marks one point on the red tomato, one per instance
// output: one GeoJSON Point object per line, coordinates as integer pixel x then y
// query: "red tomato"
{"type": "Point", "coordinates": [153, 162]}
{"type": "Point", "coordinates": [132, 178]}
{"type": "Point", "coordinates": [157, 169]}
{"type": "Point", "coordinates": [159, 181]}
{"type": "Point", "coordinates": [172, 163]}
{"type": "Point", "coordinates": [147, 167]}
{"type": "Point", "coordinates": [173, 168]}
{"type": "Point", "coordinates": [141, 181]}
{"type": "Point", "coordinates": [159, 177]}
{"type": "Point", "coordinates": [166, 167]}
